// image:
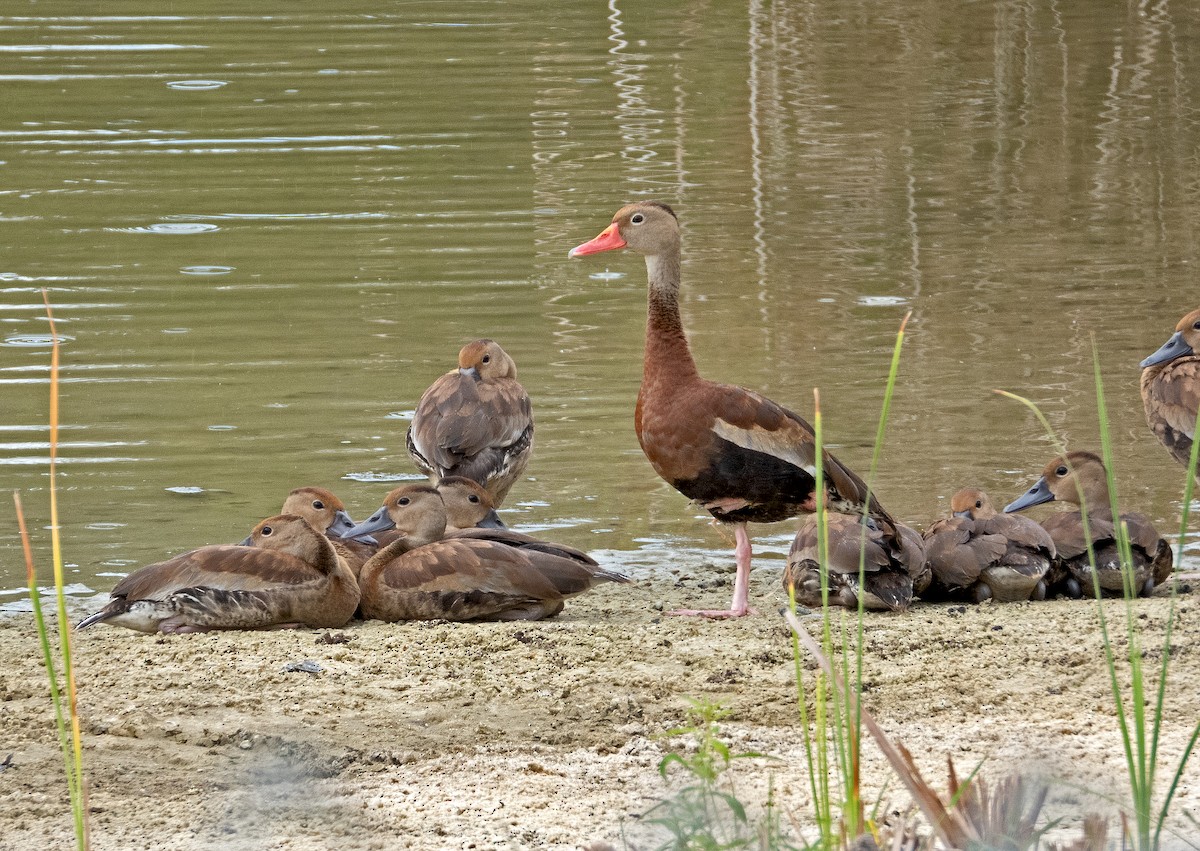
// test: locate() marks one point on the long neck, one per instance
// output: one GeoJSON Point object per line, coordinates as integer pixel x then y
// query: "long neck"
{"type": "Point", "coordinates": [667, 352]}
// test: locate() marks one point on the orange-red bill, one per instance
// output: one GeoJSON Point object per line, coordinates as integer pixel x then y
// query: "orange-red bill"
{"type": "Point", "coordinates": [609, 239]}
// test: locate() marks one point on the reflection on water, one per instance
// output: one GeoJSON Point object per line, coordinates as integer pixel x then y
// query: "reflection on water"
{"type": "Point", "coordinates": [264, 236]}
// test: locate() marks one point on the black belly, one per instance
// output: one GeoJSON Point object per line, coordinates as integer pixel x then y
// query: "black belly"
{"type": "Point", "coordinates": [774, 489]}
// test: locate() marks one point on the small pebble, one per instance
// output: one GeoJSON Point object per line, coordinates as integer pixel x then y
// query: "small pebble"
{"type": "Point", "coordinates": [308, 666]}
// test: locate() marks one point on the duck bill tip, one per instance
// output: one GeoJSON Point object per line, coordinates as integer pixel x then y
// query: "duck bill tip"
{"type": "Point", "coordinates": [608, 240]}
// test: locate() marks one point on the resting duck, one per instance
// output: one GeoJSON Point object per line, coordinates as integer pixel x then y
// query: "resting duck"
{"type": "Point", "coordinates": [285, 574]}
{"type": "Point", "coordinates": [468, 505]}
{"type": "Point", "coordinates": [1066, 478]}
{"type": "Point", "coordinates": [326, 513]}
{"type": "Point", "coordinates": [979, 554]}
{"type": "Point", "coordinates": [739, 455]}
{"type": "Point", "coordinates": [426, 576]}
{"type": "Point", "coordinates": [475, 421]}
{"type": "Point", "coordinates": [890, 579]}
{"type": "Point", "coordinates": [1171, 389]}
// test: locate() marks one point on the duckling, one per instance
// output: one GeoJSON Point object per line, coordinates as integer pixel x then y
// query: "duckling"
{"type": "Point", "coordinates": [979, 554]}
{"type": "Point", "coordinates": [1171, 389]}
{"type": "Point", "coordinates": [425, 576]}
{"type": "Point", "coordinates": [326, 513]}
{"type": "Point", "coordinates": [890, 580]}
{"type": "Point", "coordinates": [285, 574]}
{"type": "Point", "coordinates": [1080, 478]}
{"type": "Point", "coordinates": [475, 421]}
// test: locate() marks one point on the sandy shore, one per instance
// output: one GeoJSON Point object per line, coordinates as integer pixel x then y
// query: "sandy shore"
{"type": "Point", "coordinates": [544, 735]}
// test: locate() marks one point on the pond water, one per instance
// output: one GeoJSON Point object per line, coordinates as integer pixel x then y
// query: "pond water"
{"type": "Point", "coordinates": [264, 235]}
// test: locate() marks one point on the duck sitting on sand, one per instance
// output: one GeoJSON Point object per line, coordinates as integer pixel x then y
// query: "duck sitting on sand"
{"type": "Point", "coordinates": [1080, 478]}
{"type": "Point", "coordinates": [285, 574]}
{"type": "Point", "coordinates": [889, 579]}
{"type": "Point", "coordinates": [474, 574]}
{"type": "Point", "coordinates": [1171, 388]}
{"type": "Point", "coordinates": [979, 554]}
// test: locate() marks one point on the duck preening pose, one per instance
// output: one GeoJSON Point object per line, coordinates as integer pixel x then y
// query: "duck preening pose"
{"type": "Point", "coordinates": [475, 421]}
{"type": "Point", "coordinates": [472, 574]}
{"type": "Point", "coordinates": [739, 455]}
{"type": "Point", "coordinates": [1080, 478]}
{"type": "Point", "coordinates": [889, 577]}
{"type": "Point", "coordinates": [979, 554]}
{"type": "Point", "coordinates": [285, 574]}
{"type": "Point", "coordinates": [1171, 388]}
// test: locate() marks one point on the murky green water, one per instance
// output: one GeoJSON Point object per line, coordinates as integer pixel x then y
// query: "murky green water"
{"type": "Point", "coordinates": [265, 235]}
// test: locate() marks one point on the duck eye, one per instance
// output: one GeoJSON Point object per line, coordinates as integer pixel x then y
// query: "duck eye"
{"type": "Point", "coordinates": [979, 503]}
{"type": "Point", "coordinates": [403, 501]}
{"type": "Point", "coordinates": [1196, 325]}
{"type": "Point", "coordinates": [1061, 471]}
{"type": "Point", "coordinates": [266, 531]}
{"type": "Point", "coordinates": [473, 498]}
{"type": "Point", "coordinates": [637, 218]}
{"type": "Point", "coordinates": [487, 358]}
{"type": "Point", "coordinates": [317, 504]}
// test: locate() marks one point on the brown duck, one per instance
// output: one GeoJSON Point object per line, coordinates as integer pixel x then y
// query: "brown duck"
{"type": "Point", "coordinates": [425, 576]}
{"type": "Point", "coordinates": [890, 579]}
{"type": "Point", "coordinates": [1171, 388]}
{"type": "Point", "coordinates": [326, 513]}
{"type": "Point", "coordinates": [285, 574]}
{"type": "Point", "coordinates": [475, 421]}
{"type": "Point", "coordinates": [739, 455]}
{"type": "Point", "coordinates": [1079, 478]}
{"type": "Point", "coordinates": [979, 554]}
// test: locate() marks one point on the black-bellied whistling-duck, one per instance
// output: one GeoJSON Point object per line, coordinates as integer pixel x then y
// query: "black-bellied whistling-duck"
{"type": "Point", "coordinates": [890, 578]}
{"type": "Point", "coordinates": [284, 574]}
{"type": "Point", "coordinates": [1171, 388]}
{"type": "Point", "coordinates": [475, 421]}
{"type": "Point", "coordinates": [1068, 477]}
{"type": "Point", "coordinates": [469, 575]}
{"type": "Point", "coordinates": [979, 554]}
{"type": "Point", "coordinates": [326, 513]}
{"type": "Point", "coordinates": [738, 454]}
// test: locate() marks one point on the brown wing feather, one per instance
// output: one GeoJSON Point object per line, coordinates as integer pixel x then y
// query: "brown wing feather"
{"type": "Point", "coordinates": [230, 568]}
{"type": "Point", "coordinates": [1171, 396]}
{"type": "Point", "coordinates": [458, 418]}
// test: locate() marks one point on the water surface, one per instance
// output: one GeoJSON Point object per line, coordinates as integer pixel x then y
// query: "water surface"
{"type": "Point", "coordinates": [264, 235]}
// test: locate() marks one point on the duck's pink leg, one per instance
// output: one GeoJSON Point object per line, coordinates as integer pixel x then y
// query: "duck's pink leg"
{"type": "Point", "coordinates": [740, 607]}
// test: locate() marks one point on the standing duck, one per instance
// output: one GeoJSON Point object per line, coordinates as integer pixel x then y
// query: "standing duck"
{"type": "Point", "coordinates": [739, 455]}
{"type": "Point", "coordinates": [1171, 389]}
{"type": "Point", "coordinates": [326, 513]}
{"type": "Point", "coordinates": [426, 575]}
{"type": "Point", "coordinates": [979, 554]}
{"type": "Point", "coordinates": [475, 421]}
{"type": "Point", "coordinates": [1077, 474]}
{"type": "Point", "coordinates": [890, 577]}
{"type": "Point", "coordinates": [285, 574]}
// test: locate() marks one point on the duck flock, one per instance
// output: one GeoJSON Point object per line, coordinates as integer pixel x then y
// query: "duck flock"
{"type": "Point", "coordinates": [440, 551]}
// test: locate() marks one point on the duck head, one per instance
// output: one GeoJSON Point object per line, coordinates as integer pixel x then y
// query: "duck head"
{"type": "Point", "coordinates": [416, 511]}
{"type": "Point", "coordinates": [324, 511]}
{"type": "Point", "coordinates": [1075, 477]}
{"type": "Point", "coordinates": [972, 503]}
{"type": "Point", "coordinates": [647, 227]}
{"type": "Point", "coordinates": [484, 360]}
{"type": "Point", "coordinates": [292, 534]}
{"type": "Point", "coordinates": [1185, 341]}
{"type": "Point", "coordinates": [467, 504]}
